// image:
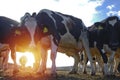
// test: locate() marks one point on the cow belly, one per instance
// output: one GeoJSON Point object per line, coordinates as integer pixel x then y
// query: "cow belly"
{"type": "Point", "coordinates": [68, 45]}
{"type": "Point", "coordinates": [68, 51]}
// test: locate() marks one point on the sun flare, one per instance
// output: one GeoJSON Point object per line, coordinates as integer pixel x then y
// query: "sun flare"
{"type": "Point", "coordinates": [28, 55]}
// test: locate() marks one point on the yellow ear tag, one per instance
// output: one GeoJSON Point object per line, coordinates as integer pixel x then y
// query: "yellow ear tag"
{"type": "Point", "coordinates": [100, 27]}
{"type": "Point", "coordinates": [17, 32]}
{"type": "Point", "coordinates": [45, 30]}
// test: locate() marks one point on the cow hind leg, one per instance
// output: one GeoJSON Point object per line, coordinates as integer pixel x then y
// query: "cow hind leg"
{"type": "Point", "coordinates": [75, 66]}
{"type": "Point", "coordinates": [53, 58]}
{"type": "Point", "coordinates": [86, 46]}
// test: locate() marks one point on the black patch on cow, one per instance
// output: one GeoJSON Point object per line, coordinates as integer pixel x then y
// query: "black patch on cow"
{"type": "Point", "coordinates": [6, 25]}
{"type": "Point", "coordinates": [60, 26]}
{"type": "Point", "coordinates": [77, 27]}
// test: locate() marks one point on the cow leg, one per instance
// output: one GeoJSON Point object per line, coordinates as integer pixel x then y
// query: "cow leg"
{"type": "Point", "coordinates": [100, 63]}
{"type": "Point", "coordinates": [75, 66]}
{"type": "Point", "coordinates": [116, 63]}
{"type": "Point", "coordinates": [86, 46]}
{"type": "Point", "coordinates": [42, 66]}
{"type": "Point", "coordinates": [85, 61]}
{"type": "Point", "coordinates": [13, 56]}
{"type": "Point", "coordinates": [1, 63]}
{"type": "Point", "coordinates": [37, 58]}
{"type": "Point", "coordinates": [105, 59]}
{"type": "Point", "coordinates": [54, 48]}
{"type": "Point", "coordinates": [6, 57]}
{"type": "Point", "coordinates": [110, 63]}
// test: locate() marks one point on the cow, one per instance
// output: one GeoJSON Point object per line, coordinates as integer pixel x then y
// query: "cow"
{"type": "Point", "coordinates": [17, 37]}
{"type": "Point", "coordinates": [105, 34]}
{"type": "Point", "coordinates": [58, 30]}
{"type": "Point", "coordinates": [6, 25]}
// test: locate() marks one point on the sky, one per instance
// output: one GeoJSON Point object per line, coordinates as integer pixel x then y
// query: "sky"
{"type": "Point", "coordinates": [89, 11]}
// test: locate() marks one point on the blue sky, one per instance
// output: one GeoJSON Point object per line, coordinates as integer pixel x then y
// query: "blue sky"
{"type": "Point", "coordinates": [89, 11]}
{"type": "Point", "coordinates": [108, 8]}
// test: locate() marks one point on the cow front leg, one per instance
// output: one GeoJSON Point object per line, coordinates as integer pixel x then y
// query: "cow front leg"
{"type": "Point", "coordinates": [42, 66]}
{"type": "Point", "coordinates": [54, 48]}
{"type": "Point", "coordinates": [37, 58]}
{"type": "Point", "coordinates": [110, 63]}
{"type": "Point", "coordinates": [13, 56]}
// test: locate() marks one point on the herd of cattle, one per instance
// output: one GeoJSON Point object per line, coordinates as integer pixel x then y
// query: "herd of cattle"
{"type": "Point", "coordinates": [61, 33]}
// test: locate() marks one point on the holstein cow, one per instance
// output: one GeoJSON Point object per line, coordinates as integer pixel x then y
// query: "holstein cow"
{"type": "Point", "coordinates": [17, 37]}
{"type": "Point", "coordinates": [105, 34]}
{"type": "Point", "coordinates": [57, 29]}
{"type": "Point", "coordinates": [6, 26]}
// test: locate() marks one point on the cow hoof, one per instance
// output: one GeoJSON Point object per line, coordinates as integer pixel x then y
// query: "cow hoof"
{"type": "Point", "coordinates": [73, 72]}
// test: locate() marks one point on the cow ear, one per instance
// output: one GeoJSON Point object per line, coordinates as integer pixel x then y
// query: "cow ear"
{"type": "Point", "coordinates": [45, 30]}
{"type": "Point", "coordinates": [17, 32]}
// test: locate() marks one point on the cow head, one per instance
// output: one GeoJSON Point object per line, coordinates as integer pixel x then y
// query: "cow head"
{"type": "Point", "coordinates": [27, 29]}
{"type": "Point", "coordinates": [113, 28]}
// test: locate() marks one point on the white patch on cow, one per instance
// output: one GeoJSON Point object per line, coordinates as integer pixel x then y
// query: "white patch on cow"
{"type": "Point", "coordinates": [112, 22]}
{"type": "Point", "coordinates": [31, 25]}
{"type": "Point", "coordinates": [65, 21]}
{"type": "Point", "coordinates": [68, 40]}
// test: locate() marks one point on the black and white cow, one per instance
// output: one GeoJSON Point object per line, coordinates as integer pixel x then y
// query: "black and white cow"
{"type": "Point", "coordinates": [105, 34]}
{"type": "Point", "coordinates": [17, 37]}
{"type": "Point", "coordinates": [57, 30]}
{"type": "Point", "coordinates": [6, 26]}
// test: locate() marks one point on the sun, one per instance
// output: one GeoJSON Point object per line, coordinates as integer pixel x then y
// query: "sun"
{"type": "Point", "coordinates": [28, 55]}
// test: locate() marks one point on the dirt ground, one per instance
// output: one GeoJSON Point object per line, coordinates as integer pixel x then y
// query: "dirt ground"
{"type": "Point", "coordinates": [62, 74]}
